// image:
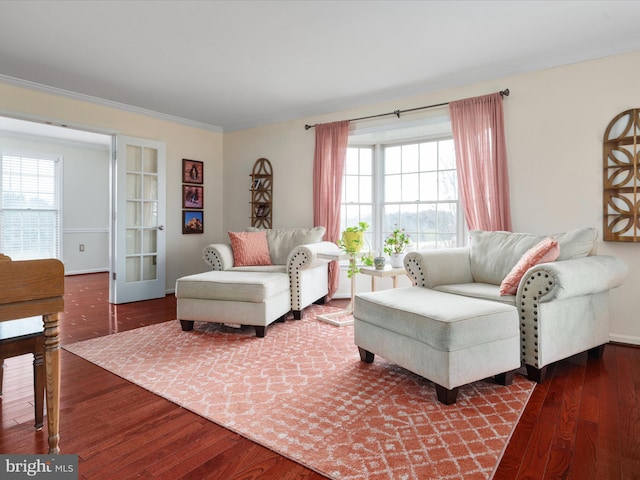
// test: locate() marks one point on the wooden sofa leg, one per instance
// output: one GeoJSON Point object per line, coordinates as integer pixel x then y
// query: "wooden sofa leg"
{"type": "Point", "coordinates": [261, 331]}
{"type": "Point", "coordinates": [505, 378]}
{"type": "Point", "coordinates": [596, 352]}
{"type": "Point", "coordinates": [321, 300]}
{"type": "Point", "coordinates": [537, 375]}
{"type": "Point", "coordinates": [187, 325]}
{"type": "Point", "coordinates": [297, 314]}
{"type": "Point", "coordinates": [366, 356]}
{"type": "Point", "coordinates": [446, 396]}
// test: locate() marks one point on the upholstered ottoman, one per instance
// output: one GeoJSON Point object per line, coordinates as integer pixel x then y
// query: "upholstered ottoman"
{"type": "Point", "coordinates": [238, 297]}
{"type": "Point", "coordinates": [448, 339]}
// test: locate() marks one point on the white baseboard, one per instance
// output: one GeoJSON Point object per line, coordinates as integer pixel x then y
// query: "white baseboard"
{"type": "Point", "coordinates": [630, 339]}
{"type": "Point", "coordinates": [91, 270]}
{"type": "Point", "coordinates": [341, 295]}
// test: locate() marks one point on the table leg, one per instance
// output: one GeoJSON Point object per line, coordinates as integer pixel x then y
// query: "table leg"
{"type": "Point", "coordinates": [349, 309]}
{"type": "Point", "coordinates": [352, 261]}
{"type": "Point", "coordinates": [395, 281]}
{"type": "Point", "coordinates": [52, 372]}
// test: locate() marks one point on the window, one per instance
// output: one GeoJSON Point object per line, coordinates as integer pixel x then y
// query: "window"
{"type": "Point", "coordinates": [410, 185]}
{"type": "Point", "coordinates": [29, 207]}
{"type": "Point", "coordinates": [357, 190]}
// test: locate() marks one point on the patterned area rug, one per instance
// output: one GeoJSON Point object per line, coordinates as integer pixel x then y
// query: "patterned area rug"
{"type": "Point", "coordinates": [303, 392]}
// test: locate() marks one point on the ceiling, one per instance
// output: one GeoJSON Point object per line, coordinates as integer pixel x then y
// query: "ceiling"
{"type": "Point", "coordinates": [230, 65]}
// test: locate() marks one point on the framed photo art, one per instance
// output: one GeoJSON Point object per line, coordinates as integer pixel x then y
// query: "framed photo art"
{"type": "Point", "coordinates": [192, 196]}
{"type": "Point", "coordinates": [192, 222]}
{"type": "Point", "coordinates": [192, 171]}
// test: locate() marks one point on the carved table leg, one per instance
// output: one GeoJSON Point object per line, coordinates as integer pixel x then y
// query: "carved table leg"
{"type": "Point", "coordinates": [52, 371]}
{"type": "Point", "coordinates": [38, 387]}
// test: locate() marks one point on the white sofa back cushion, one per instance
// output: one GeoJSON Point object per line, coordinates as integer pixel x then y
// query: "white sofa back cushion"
{"type": "Point", "coordinates": [494, 254]}
{"type": "Point", "coordinates": [282, 241]}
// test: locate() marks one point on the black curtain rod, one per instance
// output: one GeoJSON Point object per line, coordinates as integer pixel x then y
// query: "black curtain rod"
{"type": "Point", "coordinates": [504, 93]}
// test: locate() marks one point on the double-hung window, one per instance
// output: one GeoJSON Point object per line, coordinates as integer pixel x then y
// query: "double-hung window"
{"type": "Point", "coordinates": [411, 185]}
{"type": "Point", "coordinates": [30, 206]}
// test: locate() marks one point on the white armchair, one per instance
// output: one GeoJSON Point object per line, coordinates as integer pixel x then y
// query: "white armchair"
{"type": "Point", "coordinates": [563, 306]}
{"type": "Point", "coordinates": [292, 251]}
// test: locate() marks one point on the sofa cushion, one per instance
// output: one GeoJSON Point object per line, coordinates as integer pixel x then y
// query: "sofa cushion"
{"type": "Point", "coordinates": [494, 254]}
{"type": "Point", "coordinates": [282, 241]}
{"type": "Point", "coordinates": [249, 248]}
{"type": "Point", "coordinates": [577, 243]}
{"type": "Point", "coordinates": [255, 287]}
{"type": "Point", "coordinates": [545, 251]}
{"type": "Point", "coordinates": [445, 322]}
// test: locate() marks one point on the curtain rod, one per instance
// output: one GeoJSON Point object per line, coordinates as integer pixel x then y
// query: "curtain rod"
{"type": "Point", "coordinates": [503, 93]}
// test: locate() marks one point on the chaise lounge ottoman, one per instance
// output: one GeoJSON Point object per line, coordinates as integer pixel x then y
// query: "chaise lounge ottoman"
{"type": "Point", "coordinates": [448, 339]}
{"type": "Point", "coordinates": [239, 297]}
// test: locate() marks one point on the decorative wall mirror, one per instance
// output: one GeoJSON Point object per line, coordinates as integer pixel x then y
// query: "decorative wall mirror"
{"type": "Point", "coordinates": [621, 193]}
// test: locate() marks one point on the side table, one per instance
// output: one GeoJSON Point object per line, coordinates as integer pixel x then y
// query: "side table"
{"type": "Point", "coordinates": [334, 318]}
{"type": "Point", "coordinates": [388, 271]}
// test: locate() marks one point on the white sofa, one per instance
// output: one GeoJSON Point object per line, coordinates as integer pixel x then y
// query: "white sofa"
{"type": "Point", "coordinates": [563, 306]}
{"type": "Point", "coordinates": [292, 251]}
{"type": "Point", "coordinates": [454, 326]}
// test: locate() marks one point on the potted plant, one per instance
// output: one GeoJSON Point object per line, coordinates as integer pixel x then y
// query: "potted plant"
{"type": "Point", "coordinates": [351, 242]}
{"type": "Point", "coordinates": [395, 245]}
{"type": "Point", "coordinates": [352, 239]}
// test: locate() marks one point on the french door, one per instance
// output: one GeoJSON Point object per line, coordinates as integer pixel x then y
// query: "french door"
{"type": "Point", "coordinates": [138, 220]}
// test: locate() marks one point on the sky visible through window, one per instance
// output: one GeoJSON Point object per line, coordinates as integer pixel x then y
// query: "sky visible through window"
{"type": "Point", "coordinates": [412, 186]}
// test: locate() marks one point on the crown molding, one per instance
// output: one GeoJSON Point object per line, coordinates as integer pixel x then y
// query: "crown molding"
{"type": "Point", "coordinates": [18, 82]}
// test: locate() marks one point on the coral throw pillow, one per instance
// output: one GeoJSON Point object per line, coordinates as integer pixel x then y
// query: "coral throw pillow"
{"type": "Point", "coordinates": [547, 250]}
{"type": "Point", "coordinates": [249, 248]}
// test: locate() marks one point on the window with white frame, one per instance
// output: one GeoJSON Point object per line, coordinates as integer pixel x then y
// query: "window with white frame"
{"type": "Point", "coordinates": [29, 207]}
{"type": "Point", "coordinates": [410, 185]}
{"type": "Point", "coordinates": [358, 190]}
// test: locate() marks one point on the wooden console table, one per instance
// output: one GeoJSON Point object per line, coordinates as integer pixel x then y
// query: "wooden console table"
{"type": "Point", "coordinates": [30, 288]}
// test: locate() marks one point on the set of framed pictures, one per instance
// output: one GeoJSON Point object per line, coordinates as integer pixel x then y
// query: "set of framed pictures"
{"type": "Point", "coordinates": [192, 196]}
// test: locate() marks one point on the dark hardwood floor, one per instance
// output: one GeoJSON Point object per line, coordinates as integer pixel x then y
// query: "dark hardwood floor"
{"type": "Point", "coordinates": [582, 423]}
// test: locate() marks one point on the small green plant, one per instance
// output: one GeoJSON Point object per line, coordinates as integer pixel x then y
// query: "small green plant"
{"type": "Point", "coordinates": [396, 242]}
{"type": "Point", "coordinates": [351, 242]}
{"type": "Point", "coordinates": [352, 239]}
{"type": "Point", "coordinates": [367, 259]}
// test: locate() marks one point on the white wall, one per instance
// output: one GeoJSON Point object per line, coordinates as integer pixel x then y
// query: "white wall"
{"type": "Point", "coordinates": [183, 251]}
{"type": "Point", "coordinates": [85, 199]}
{"type": "Point", "coordinates": [555, 122]}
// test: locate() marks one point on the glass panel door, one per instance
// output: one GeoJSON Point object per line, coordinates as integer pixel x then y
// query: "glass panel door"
{"type": "Point", "coordinates": [139, 240]}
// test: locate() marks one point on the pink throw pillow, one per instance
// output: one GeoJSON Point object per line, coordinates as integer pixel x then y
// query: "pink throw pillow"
{"type": "Point", "coordinates": [249, 248]}
{"type": "Point", "coordinates": [547, 250]}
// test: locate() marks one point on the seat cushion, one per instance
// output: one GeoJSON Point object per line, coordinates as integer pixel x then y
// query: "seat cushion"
{"type": "Point", "coordinates": [240, 286]}
{"type": "Point", "coordinates": [483, 291]}
{"type": "Point", "coordinates": [444, 321]}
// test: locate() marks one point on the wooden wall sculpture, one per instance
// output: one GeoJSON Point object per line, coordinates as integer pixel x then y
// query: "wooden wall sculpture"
{"type": "Point", "coordinates": [621, 195]}
{"type": "Point", "coordinates": [261, 194]}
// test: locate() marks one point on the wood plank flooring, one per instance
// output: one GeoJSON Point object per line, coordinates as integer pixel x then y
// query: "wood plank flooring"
{"type": "Point", "coordinates": [582, 423]}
